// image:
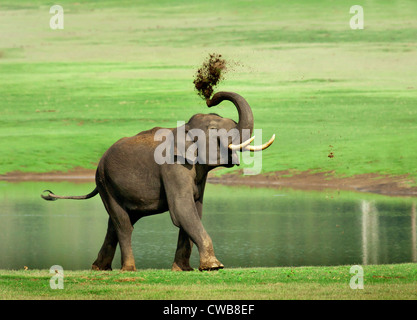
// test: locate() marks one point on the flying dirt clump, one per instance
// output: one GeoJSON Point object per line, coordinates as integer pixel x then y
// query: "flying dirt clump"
{"type": "Point", "coordinates": [209, 75]}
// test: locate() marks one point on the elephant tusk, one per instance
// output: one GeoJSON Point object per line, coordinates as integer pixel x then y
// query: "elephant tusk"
{"type": "Point", "coordinates": [242, 145]}
{"type": "Point", "coordinates": [261, 147]}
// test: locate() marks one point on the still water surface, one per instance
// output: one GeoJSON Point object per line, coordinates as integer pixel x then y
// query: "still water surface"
{"type": "Point", "coordinates": [249, 227]}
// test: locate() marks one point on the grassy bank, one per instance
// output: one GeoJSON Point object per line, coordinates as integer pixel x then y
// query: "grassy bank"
{"type": "Point", "coordinates": [119, 68]}
{"type": "Point", "coordinates": [380, 282]}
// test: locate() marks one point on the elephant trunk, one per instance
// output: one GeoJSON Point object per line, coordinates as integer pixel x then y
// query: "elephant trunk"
{"type": "Point", "coordinates": [243, 108]}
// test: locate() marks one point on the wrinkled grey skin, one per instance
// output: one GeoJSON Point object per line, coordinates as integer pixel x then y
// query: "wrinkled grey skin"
{"type": "Point", "coordinates": [132, 185]}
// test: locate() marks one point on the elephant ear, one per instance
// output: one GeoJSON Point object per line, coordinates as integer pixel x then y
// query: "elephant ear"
{"type": "Point", "coordinates": [184, 148]}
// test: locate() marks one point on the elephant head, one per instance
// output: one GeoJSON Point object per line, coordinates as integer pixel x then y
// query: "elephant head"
{"type": "Point", "coordinates": [213, 140]}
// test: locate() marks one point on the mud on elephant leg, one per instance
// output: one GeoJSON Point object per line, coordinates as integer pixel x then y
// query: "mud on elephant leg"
{"type": "Point", "coordinates": [208, 260]}
{"type": "Point", "coordinates": [106, 253]}
{"type": "Point", "coordinates": [186, 214]}
{"type": "Point", "coordinates": [185, 245]}
{"type": "Point", "coordinates": [211, 262]}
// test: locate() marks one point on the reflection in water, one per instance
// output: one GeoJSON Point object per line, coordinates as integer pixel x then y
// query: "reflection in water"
{"type": "Point", "coordinates": [250, 227]}
{"type": "Point", "coordinates": [372, 249]}
{"type": "Point", "coordinates": [370, 240]}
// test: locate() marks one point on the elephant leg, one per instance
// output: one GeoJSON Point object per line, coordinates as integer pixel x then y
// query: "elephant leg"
{"type": "Point", "coordinates": [106, 253]}
{"type": "Point", "coordinates": [185, 244]}
{"type": "Point", "coordinates": [185, 212]}
{"type": "Point", "coordinates": [183, 253]}
{"type": "Point", "coordinates": [179, 188]}
{"type": "Point", "coordinates": [123, 228]}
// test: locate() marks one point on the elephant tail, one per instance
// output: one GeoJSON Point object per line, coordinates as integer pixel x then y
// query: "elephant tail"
{"type": "Point", "coordinates": [52, 197]}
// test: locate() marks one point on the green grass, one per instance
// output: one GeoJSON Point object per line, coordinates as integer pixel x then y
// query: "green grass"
{"type": "Point", "coordinates": [119, 68]}
{"type": "Point", "coordinates": [380, 282]}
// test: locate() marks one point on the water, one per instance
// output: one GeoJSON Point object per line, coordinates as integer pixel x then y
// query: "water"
{"type": "Point", "coordinates": [249, 227]}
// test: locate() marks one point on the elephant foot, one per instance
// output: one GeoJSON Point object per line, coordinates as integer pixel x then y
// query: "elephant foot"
{"type": "Point", "coordinates": [129, 268]}
{"type": "Point", "coordinates": [178, 266]}
{"type": "Point", "coordinates": [97, 267]}
{"type": "Point", "coordinates": [211, 265]}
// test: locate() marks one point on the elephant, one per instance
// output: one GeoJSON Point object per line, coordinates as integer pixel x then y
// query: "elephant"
{"type": "Point", "coordinates": [132, 184]}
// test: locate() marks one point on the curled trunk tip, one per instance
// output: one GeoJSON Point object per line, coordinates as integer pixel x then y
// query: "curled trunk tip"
{"type": "Point", "coordinates": [49, 196]}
